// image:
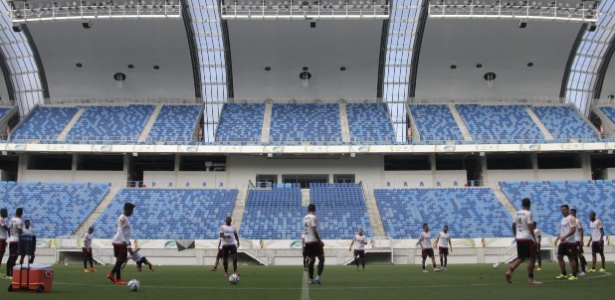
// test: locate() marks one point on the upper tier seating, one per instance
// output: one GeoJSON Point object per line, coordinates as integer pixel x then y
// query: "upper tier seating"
{"type": "Point", "coordinates": [54, 209]}
{"type": "Point", "coordinates": [468, 212]}
{"type": "Point", "coordinates": [175, 123]}
{"type": "Point", "coordinates": [548, 196]}
{"type": "Point", "coordinates": [564, 122]}
{"type": "Point", "coordinates": [169, 213]}
{"type": "Point", "coordinates": [435, 123]}
{"type": "Point", "coordinates": [609, 111]}
{"type": "Point", "coordinates": [45, 123]}
{"type": "Point", "coordinates": [241, 122]}
{"type": "Point", "coordinates": [110, 123]}
{"type": "Point", "coordinates": [499, 122]}
{"type": "Point", "coordinates": [4, 110]}
{"type": "Point", "coordinates": [369, 122]}
{"type": "Point", "coordinates": [305, 122]}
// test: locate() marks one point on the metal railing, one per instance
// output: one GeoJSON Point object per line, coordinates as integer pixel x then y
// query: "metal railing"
{"type": "Point", "coordinates": [304, 9]}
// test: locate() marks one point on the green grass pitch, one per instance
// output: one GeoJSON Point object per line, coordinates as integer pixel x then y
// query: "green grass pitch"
{"type": "Point", "coordinates": [380, 282]}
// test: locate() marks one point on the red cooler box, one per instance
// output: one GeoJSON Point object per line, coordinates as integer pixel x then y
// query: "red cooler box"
{"type": "Point", "coordinates": [35, 278]}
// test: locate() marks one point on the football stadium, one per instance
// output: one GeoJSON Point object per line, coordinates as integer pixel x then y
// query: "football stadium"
{"type": "Point", "coordinates": [307, 149]}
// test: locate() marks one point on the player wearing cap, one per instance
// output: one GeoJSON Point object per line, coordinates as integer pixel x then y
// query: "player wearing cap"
{"type": "Point", "coordinates": [567, 246]}
{"type": "Point", "coordinates": [230, 242]}
{"type": "Point", "coordinates": [359, 241]}
{"type": "Point", "coordinates": [597, 241]}
{"type": "Point", "coordinates": [426, 248]}
{"type": "Point", "coordinates": [121, 241]}
{"type": "Point", "coordinates": [523, 228]}
{"type": "Point", "coordinates": [444, 241]}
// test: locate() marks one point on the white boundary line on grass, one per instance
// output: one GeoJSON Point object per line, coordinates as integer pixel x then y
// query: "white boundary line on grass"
{"type": "Point", "coordinates": [305, 291]}
{"type": "Point", "coordinates": [606, 274]}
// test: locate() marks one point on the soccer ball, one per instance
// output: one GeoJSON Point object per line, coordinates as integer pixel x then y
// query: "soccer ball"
{"type": "Point", "coordinates": [134, 285]}
{"type": "Point", "coordinates": [496, 265]}
{"type": "Point", "coordinates": [233, 279]}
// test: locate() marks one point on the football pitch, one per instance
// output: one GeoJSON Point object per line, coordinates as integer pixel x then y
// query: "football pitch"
{"type": "Point", "coordinates": [381, 282]}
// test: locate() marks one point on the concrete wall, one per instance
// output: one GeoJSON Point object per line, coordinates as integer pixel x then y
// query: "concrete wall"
{"type": "Point", "coordinates": [413, 179]}
{"type": "Point", "coordinates": [69, 176]}
{"type": "Point", "coordinates": [186, 179]}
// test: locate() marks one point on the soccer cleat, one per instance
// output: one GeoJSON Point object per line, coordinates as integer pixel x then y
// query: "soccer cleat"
{"type": "Point", "coordinates": [592, 270]}
{"type": "Point", "coordinates": [225, 274]}
{"type": "Point", "coordinates": [236, 273]}
{"type": "Point", "coordinates": [93, 270]}
{"type": "Point", "coordinates": [582, 274]}
{"type": "Point", "coordinates": [538, 269]}
{"type": "Point", "coordinates": [119, 281]}
{"type": "Point", "coordinates": [111, 277]}
{"type": "Point", "coordinates": [572, 278]}
{"type": "Point", "coordinates": [214, 269]}
{"type": "Point", "coordinates": [425, 271]}
{"type": "Point", "coordinates": [508, 277]}
{"type": "Point", "coordinates": [532, 281]}
{"type": "Point", "coordinates": [317, 280]}
{"type": "Point", "coordinates": [311, 281]}
{"type": "Point", "coordinates": [436, 270]}
{"type": "Point", "coordinates": [561, 276]}
{"type": "Point", "coordinates": [86, 271]}
{"type": "Point", "coordinates": [602, 270]}
{"type": "Point", "coordinates": [444, 269]}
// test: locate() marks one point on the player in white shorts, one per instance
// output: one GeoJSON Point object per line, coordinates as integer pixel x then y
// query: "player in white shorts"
{"type": "Point", "coordinates": [426, 248]}
{"type": "Point", "coordinates": [567, 246]}
{"type": "Point", "coordinates": [597, 241]}
{"type": "Point", "coordinates": [313, 244]}
{"type": "Point", "coordinates": [4, 233]}
{"type": "Point", "coordinates": [15, 230]}
{"type": "Point", "coordinates": [359, 241]}
{"type": "Point", "coordinates": [523, 228]}
{"type": "Point", "coordinates": [444, 241]}
{"type": "Point", "coordinates": [578, 238]}
{"type": "Point", "coordinates": [230, 242]}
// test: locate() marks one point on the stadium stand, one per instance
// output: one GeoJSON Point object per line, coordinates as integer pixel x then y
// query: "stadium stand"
{"type": "Point", "coordinates": [55, 209]}
{"type": "Point", "coordinates": [110, 123]}
{"type": "Point", "coordinates": [369, 122]}
{"type": "Point", "coordinates": [340, 208]}
{"type": "Point", "coordinates": [273, 214]}
{"type": "Point", "coordinates": [564, 122]}
{"type": "Point", "coordinates": [499, 122]}
{"type": "Point", "coordinates": [241, 122]}
{"type": "Point", "coordinates": [548, 196]}
{"type": "Point", "coordinates": [175, 123]}
{"type": "Point", "coordinates": [435, 123]}
{"type": "Point", "coordinates": [3, 111]}
{"type": "Point", "coordinates": [404, 211]}
{"type": "Point", "coordinates": [305, 122]}
{"type": "Point", "coordinates": [170, 213]}
{"type": "Point", "coordinates": [45, 123]}
{"type": "Point", "coordinates": [609, 111]}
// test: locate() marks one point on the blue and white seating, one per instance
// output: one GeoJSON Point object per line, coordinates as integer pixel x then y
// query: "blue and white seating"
{"type": "Point", "coordinates": [499, 122]}
{"type": "Point", "coordinates": [305, 122]}
{"type": "Point", "coordinates": [435, 122]}
{"type": "Point", "coordinates": [169, 213]}
{"type": "Point", "coordinates": [469, 212]}
{"type": "Point", "coordinates": [564, 122]}
{"type": "Point", "coordinates": [241, 122]}
{"type": "Point", "coordinates": [340, 209]}
{"type": "Point", "coordinates": [369, 122]}
{"type": "Point", "coordinates": [54, 209]}
{"type": "Point", "coordinates": [110, 123]}
{"type": "Point", "coordinates": [175, 123]}
{"type": "Point", "coordinates": [45, 123]}
{"type": "Point", "coordinates": [273, 214]}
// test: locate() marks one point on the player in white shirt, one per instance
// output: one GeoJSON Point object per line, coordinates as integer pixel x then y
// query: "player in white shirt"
{"type": "Point", "coordinates": [359, 241]}
{"type": "Point", "coordinates": [578, 238]}
{"type": "Point", "coordinates": [523, 228]}
{"type": "Point", "coordinates": [87, 251]}
{"type": "Point", "coordinates": [27, 229]}
{"type": "Point", "coordinates": [444, 241]}
{"type": "Point", "coordinates": [139, 259]}
{"type": "Point", "coordinates": [230, 242]}
{"type": "Point", "coordinates": [4, 234]}
{"type": "Point", "coordinates": [313, 244]}
{"type": "Point", "coordinates": [121, 242]}
{"type": "Point", "coordinates": [218, 256]}
{"type": "Point", "coordinates": [597, 241]}
{"type": "Point", "coordinates": [426, 248]}
{"type": "Point", "coordinates": [567, 246]}
{"type": "Point", "coordinates": [15, 230]}
{"type": "Point", "coordinates": [538, 235]}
